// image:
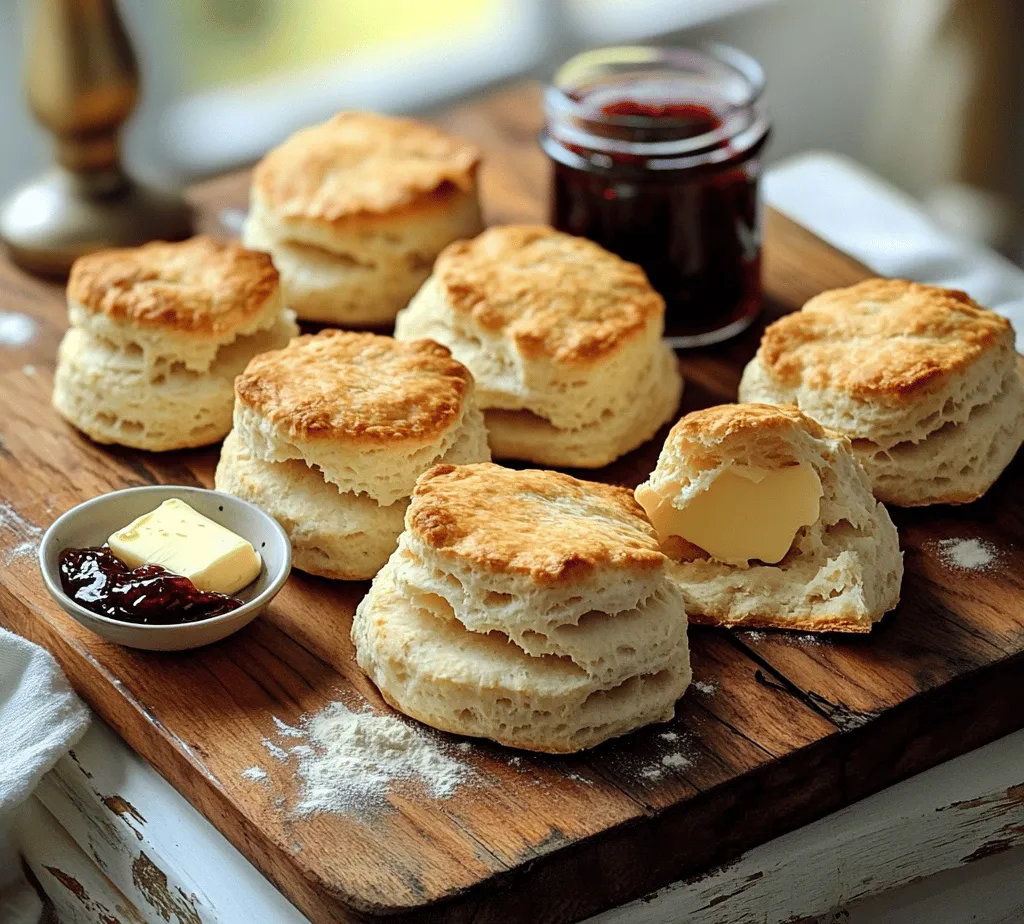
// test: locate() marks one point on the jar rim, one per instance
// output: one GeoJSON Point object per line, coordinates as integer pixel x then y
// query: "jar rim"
{"type": "Point", "coordinates": [681, 58]}
{"type": "Point", "coordinates": [577, 119]}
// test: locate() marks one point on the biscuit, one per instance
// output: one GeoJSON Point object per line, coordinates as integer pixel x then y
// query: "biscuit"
{"type": "Point", "coordinates": [369, 412]}
{"type": "Point", "coordinates": [841, 573]}
{"type": "Point", "coordinates": [158, 334]}
{"type": "Point", "coordinates": [527, 607]}
{"type": "Point", "coordinates": [331, 433]}
{"type": "Point", "coordinates": [923, 381]}
{"type": "Point", "coordinates": [545, 321]}
{"type": "Point", "coordinates": [355, 210]}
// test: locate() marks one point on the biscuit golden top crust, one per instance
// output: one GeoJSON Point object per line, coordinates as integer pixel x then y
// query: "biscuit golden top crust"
{"type": "Point", "coordinates": [714, 424]}
{"type": "Point", "coordinates": [550, 526]}
{"type": "Point", "coordinates": [361, 163]}
{"type": "Point", "coordinates": [356, 387]}
{"type": "Point", "coordinates": [201, 285]}
{"type": "Point", "coordinates": [704, 437]}
{"type": "Point", "coordinates": [881, 338]}
{"type": "Point", "coordinates": [553, 295]}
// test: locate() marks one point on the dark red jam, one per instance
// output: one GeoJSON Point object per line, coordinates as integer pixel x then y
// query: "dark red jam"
{"type": "Point", "coordinates": [98, 580]}
{"type": "Point", "coordinates": [662, 168]}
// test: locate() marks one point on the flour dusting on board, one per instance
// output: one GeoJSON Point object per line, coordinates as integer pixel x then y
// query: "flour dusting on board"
{"type": "Point", "coordinates": [256, 774]}
{"type": "Point", "coordinates": [348, 761]}
{"type": "Point", "coordinates": [289, 731]}
{"type": "Point", "coordinates": [678, 755]}
{"type": "Point", "coordinates": [16, 330]}
{"type": "Point", "coordinates": [967, 554]}
{"type": "Point", "coordinates": [358, 755]}
{"type": "Point", "coordinates": [18, 537]}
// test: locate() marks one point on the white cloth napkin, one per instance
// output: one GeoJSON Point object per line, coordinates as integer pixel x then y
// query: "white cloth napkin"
{"type": "Point", "coordinates": [886, 230]}
{"type": "Point", "coordinates": [40, 719]}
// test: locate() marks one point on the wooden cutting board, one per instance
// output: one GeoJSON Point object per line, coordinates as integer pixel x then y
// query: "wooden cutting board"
{"type": "Point", "coordinates": [777, 731]}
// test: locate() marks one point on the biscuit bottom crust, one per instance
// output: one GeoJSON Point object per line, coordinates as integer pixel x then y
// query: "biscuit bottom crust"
{"type": "Point", "coordinates": [526, 436]}
{"type": "Point", "coordinates": [435, 670]}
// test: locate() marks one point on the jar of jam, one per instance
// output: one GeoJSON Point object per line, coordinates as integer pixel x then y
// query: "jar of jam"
{"type": "Point", "coordinates": [657, 156]}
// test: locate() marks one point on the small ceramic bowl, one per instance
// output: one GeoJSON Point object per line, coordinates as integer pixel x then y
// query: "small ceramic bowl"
{"type": "Point", "coordinates": [91, 523]}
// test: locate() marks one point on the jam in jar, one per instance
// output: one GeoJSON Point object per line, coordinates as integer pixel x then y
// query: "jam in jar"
{"type": "Point", "coordinates": [657, 156]}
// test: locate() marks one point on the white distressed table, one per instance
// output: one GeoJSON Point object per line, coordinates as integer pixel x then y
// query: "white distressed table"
{"type": "Point", "coordinates": [112, 843]}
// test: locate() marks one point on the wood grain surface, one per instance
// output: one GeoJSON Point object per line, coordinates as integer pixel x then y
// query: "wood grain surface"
{"type": "Point", "coordinates": [779, 730]}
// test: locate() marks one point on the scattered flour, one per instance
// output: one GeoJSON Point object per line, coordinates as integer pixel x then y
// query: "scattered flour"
{"type": "Point", "coordinates": [678, 757]}
{"type": "Point", "coordinates": [28, 369]}
{"type": "Point", "coordinates": [356, 756]}
{"type": "Point", "coordinates": [289, 731]}
{"type": "Point", "coordinates": [464, 746]}
{"type": "Point", "coordinates": [705, 687]}
{"type": "Point", "coordinates": [754, 635]}
{"type": "Point", "coordinates": [274, 750]}
{"type": "Point", "coordinates": [22, 537]}
{"type": "Point", "coordinates": [256, 774]}
{"type": "Point", "coordinates": [967, 554]}
{"type": "Point", "coordinates": [16, 329]}
{"type": "Point", "coordinates": [808, 638]}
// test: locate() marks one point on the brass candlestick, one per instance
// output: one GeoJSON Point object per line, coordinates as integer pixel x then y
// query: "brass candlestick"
{"type": "Point", "coordinates": [83, 80]}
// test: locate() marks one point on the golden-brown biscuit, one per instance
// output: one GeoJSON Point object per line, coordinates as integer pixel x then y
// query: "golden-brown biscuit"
{"type": "Point", "coordinates": [842, 572]}
{"type": "Point", "coordinates": [922, 379]}
{"type": "Point", "coordinates": [545, 321]}
{"type": "Point", "coordinates": [525, 606]}
{"type": "Point", "coordinates": [158, 333]}
{"type": "Point", "coordinates": [331, 433]}
{"type": "Point", "coordinates": [355, 210]}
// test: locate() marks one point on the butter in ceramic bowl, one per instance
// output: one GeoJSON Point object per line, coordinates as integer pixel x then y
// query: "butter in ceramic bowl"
{"type": "Point", "coordinates": [190, 567]}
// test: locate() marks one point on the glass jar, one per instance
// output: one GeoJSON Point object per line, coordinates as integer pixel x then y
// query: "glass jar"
{"type": "Point", "coordinates": [657, 157]}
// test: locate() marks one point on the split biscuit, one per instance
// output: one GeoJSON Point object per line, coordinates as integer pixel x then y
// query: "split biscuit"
{"type": "Point", "coordinates": [157, 335]}
{"type": "Point", "coordinates": [842, 568]}
{"type": "Point", "coordinates": [331, 433]}
{"type": "Point", "coordinates": [355, 210]}
{"type": "Point", "coordinates": [925, 383]}
{"type": "Point", "coordinates": [563, 338]}
{"type": "Point", "coordinates": [527, 607]}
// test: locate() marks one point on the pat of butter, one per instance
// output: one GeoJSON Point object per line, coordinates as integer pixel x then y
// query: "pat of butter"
{"type": "Point", "coordinates": [185, 542]}
{"type": "Point", "coordinates": [746, 512]}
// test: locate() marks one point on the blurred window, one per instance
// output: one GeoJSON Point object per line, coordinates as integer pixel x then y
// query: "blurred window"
{"type": "Point", "coordinates": [230, 42]}
{"type": "Point", "coordinates": [254, 71]}
{"type": "Point", "coordinates": [606, 21]}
